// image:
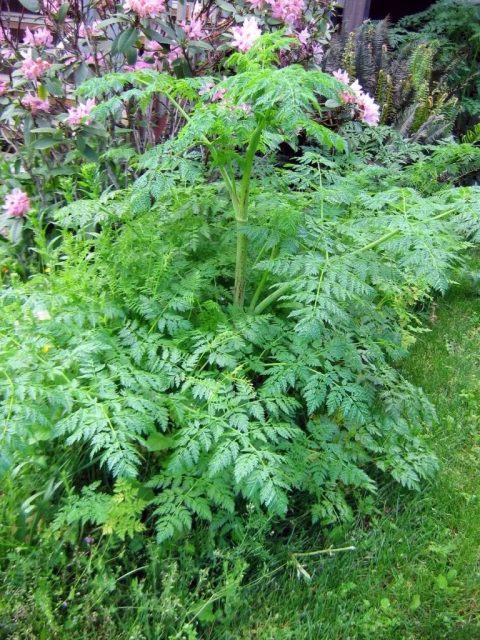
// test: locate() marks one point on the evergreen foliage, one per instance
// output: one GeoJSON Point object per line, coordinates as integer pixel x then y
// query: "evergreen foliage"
{"type": "Point", "coordinates": [412, 98]}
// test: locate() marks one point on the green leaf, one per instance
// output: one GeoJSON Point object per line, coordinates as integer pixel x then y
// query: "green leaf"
{"type": "Point", "coordinates": [45, 143]}
{"type": "Point", "coordinates": [226, 6]}
{"type": "Point", "coordinates": [385, 604]}
{"type": "Point", "coordinates": [61, 171]}
{"type": "Point", "coordinates": [332, 104]}
{"type": "Point", "coordinates": [62, 12]}
{"type": "Point", "coordinates": [168, 30]}
{"type": "Point", "coordinates": [159, 442]}
{"type": "Point", "coordinates": [53, 86]}
{"type": "Point", "coordinates": [45, 130]}
{"type": "Point", "coordinates": [31, 5]}
{"type": "Point", "coordinates": [16, 230]}
{"type": "Point", "coordinates": [200, 44]}
{"type": "Point", "coordinates": [154, 35]}
{"type": "Point", "coordinates": [81, 73]}
{"type": "Point", "coordinates": [441, 581]}
{"type": "Point", "coordinates": [415, 603]}
{"type": "Point", "coordinates": [131, 55]}
{"type": "Point", "coordinates": [125, 40]}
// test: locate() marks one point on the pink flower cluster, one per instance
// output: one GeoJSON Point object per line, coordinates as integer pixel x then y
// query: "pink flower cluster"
{"type": "Point", "coordinates": [245, 35]}
{"type": "Point", "coordinates": [17, 204]}
{"type": "Point", "coordinates": [35, 104]}
{"type": "Point", "coordinates": [289, 11]}
{"type": "Point", "coordinates": [38, 38]}
{"type": "Point", "coordinates": [145, 8]}
{"type": "Point", "coordinates": [80, 115]}
{"type": "Point", "coordinates": [369, 111]}
{"type": "Point", "coordinates": [34, 68]}
{"type": "Point", "coordinates": [194, 29]}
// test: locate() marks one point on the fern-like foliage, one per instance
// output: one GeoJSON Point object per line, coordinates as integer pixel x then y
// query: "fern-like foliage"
{"type": "Point", "coordinates": [145, 371]}
{"type": "Point", "coordinates": [451, 28]}
{"type": "Point", "coordinates": [132, 354]}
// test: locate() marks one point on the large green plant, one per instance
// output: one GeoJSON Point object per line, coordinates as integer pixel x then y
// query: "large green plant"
{"type": "Point", "coordinates": [136, 356]}
{"type": "Point", "coordinates": [262, 107]}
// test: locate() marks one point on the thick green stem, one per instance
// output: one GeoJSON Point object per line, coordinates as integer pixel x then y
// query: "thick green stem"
{"type": "Point", "coordinates": [240, 264]}
{"type": "Point", "coordinates": [242, 218]}
{"type": "Point", "coordinates": [262, 283]}
{"type": "Point", "coordinates": [278, 293]}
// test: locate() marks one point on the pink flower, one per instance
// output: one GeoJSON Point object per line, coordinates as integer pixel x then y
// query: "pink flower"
{"type": "Point", "coordinates": [246, 108]}
{"type": "Point", "coordinates": [246, 35]}
{"type": "Point", "coordinates": [153, 45]}
{"type": "Point", "coordinates": [348, 98]}
{"type": "Point", "coordinates": [34, 68]}
{"type": "Point", "coordinates": [206, 88]}
{"type": "Point", "coordinates": [341, 76]}
{"type": "Point", "coordinates": [3, 88]}
{"type": "Point", "coordinates": [52, 6]}
{"type": "Point", "coordinates": [194, 30]}
{"type": "Point", "coordinates": [90, 30]}
{"type": "Point", "coordinates": [304, 36]}
{"type": "Point", "coordinates": [69, 59]}
{"type": "Point", "coordinates": [356, 87]}
{"type": "Point", "coordinates": [145, 8]}
{"type": "Point", "coordinates": [17, 204]}
{"type": "Point", "coordinates": [175, 53]}
{"type": "Point", "coordinates": [289, 11]}
{"type": "Point", "coordinates": [369, 110]}
{"type": "Point", "coordinates": [6, 53]}
{"type": "Point", "coordinates": [5, 34]}
{"type": "Point", "coordinates": [256, 4]}
{"type": "Point", "coordinates": [217, 95]}
{"type": "Point", "coordinates": [95, 59]}
{"type": "Point", "coordinates": [35, 104]}
{"type": "Point", "coordinates": [80, 115]}
{"type": "Point", "coordinates": [141, 64]}
{"type": "Point", "coordinates": [38, 38]}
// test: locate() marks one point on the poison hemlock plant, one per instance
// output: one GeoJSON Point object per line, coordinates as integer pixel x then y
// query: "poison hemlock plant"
{"type": "Point", "coordinates": [233, 340]}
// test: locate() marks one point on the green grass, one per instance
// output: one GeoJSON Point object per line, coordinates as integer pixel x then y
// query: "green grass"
{"type": "Point", "coordinates": [415, 573]}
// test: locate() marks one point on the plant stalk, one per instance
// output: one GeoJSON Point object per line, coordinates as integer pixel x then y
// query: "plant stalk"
{"type": "Point", "coordinates": [278, 293]}
{"type": "Point", "coordinates": [242, 218]}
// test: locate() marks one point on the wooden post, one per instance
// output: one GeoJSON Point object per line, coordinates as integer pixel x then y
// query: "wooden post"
{"type": "Point", "coordinates": [354, 13]}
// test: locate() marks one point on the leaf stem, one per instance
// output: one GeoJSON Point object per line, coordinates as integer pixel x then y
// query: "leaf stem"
{"type": "Point", "coordinates": [371, 245]}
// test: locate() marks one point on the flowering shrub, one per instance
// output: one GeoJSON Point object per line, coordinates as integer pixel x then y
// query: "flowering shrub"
{"type": "Point", "coordinates": [48, 131]}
